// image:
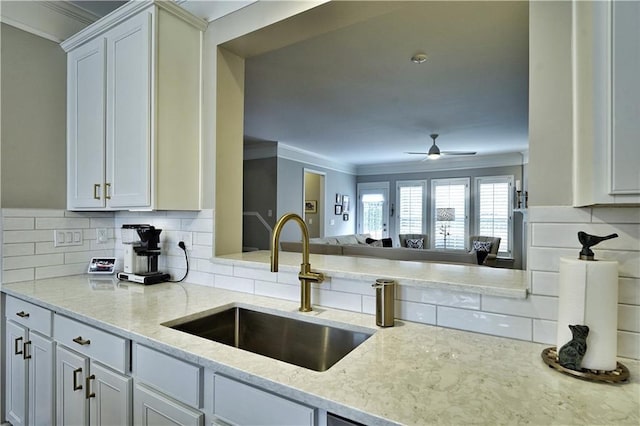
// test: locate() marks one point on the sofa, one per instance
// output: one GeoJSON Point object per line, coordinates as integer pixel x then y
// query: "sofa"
{"type": "Point", "coordinates": [355, 245]}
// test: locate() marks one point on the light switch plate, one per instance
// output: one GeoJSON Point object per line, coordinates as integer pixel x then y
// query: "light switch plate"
{"type": "Point", "coordinates": [67, 237]}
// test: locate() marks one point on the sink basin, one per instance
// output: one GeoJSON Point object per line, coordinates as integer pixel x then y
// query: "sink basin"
{"type": "Point", "coordinates": [305, 344]}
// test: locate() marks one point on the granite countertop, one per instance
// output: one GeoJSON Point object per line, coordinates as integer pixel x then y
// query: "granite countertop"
{"type": "Point", "coordinates": [409, 374]}
{"type": "Point", "coordinates": [444, 276]}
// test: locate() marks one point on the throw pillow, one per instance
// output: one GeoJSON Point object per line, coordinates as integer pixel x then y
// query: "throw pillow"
{"type": "Point", "coordinates": [385, 242]}
{"type": "Point", "coordinates": [482, 246]}
{"type": "Point", "coordinates": [415, 243]}
{"type": "Point", "coordinates": [481, 255]}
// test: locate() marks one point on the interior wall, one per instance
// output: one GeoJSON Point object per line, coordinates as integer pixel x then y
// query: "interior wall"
{"type": "Point", "coordinates": [312, 182]}
{"type": "Point", "coordinates": [33, 130]}
{"type": "Point", "coordinates": [260, 180]}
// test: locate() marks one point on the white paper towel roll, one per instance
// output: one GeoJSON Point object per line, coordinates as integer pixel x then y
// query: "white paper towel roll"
{"type": "Point", "coordinates": [588, 295]}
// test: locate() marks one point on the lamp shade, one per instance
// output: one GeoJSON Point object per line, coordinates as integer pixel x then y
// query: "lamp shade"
{"type": "Point", "coordinates": [445, 214]}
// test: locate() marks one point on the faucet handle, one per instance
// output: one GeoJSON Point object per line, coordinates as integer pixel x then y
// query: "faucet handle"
{"type": "Point", "coordinates": [316, 277]}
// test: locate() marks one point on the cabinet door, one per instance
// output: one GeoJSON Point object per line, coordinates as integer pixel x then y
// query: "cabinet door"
{"type": "Point", "coordinates": [72, 407]}
{"type": "Point", "coordinates": [151, 408]}
{"type": "Point", "coordinates": [85, 125]}
{"type": "Point", "coordinates": [110, 397]}
{"type": "Point", "coordinates": [129, 113]}
{"type": "Point", "coordinates": [16, 374]}
{"type": "Point", "coordinates": [40, 351]}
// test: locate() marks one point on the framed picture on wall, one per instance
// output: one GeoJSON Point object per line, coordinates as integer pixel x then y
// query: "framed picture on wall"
{"type": "Point", "coordinates": [338, 209]}
{"type": "Point", "coordinates": [345, 203]}
{"type": "Point", "coordinates": [345, 217]}
{"type": "Point", "coordinates": [311, 206]}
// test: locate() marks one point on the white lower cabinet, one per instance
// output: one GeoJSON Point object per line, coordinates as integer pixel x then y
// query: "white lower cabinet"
{"type": "Point", "coordinates": [238, 403]}
{"type": "Point", "coordinates": [89, 393]}
{"type": "Point", "coordinates": [153, 408]}
{"type": "Point", "coordinates": [29, 356]}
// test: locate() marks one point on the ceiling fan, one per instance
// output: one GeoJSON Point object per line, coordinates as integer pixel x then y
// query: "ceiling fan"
{"type": "Point", "coordinates": [434, 152]}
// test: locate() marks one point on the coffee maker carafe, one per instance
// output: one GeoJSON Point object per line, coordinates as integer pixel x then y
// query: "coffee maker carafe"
{"type": "Point", "coordinates": [141, 253]}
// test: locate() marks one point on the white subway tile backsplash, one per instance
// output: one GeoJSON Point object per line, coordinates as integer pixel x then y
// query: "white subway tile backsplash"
{"type": "Point", "coordinates": [197, 225]}
{"type": "Point", "coordinates": [281, 291]}
{"type": "Point", "coordinates": [198, 277]}
{"type": "Point", "coordinates": [566, 235]}
{"type": "Point", "coordinates": [559, 214]}
{"type": "Point", "coordinates": [62, 223]}
{"type": "Point", "coordinates": [629, 291]}
{"type": "Point", "coordinates": [629, 318]}
{"type": "Point", "coordinates": [545, 283]}
{"type": "Point", "coordinates": [32, 213]}
{"type": "Point", "coordinates": [542, 307]}
{"type": "Point", "coordinates": [415, 312]}
{"type": "Point", "coordinates": [336, 300]}
{"type": "Point", "coordinates": [548, 258]}
{"type": "Point", "coordinates": [629, 344]}
{"type": "Point", "coordinates": [9, 237]}
{"type": "Point", "coordinates": [369, 305]}
{"type": "Point", "coordinates": [483, 322]}
{"type": "Point", "coordinates": [288, 278]}
{"type": "Point", "coordinates": [615, 215]}
{"type": "Point", "coordinates": [61, 270]}
{"type": "Point", "coordinates": [48, 247]}
{"type": "Point", "coordinates": [352, 286]}
{"type": "Point", "coordinates": [18, 223]}
{"type": "Point", "coordinates": [544, 331]}
{"type": "Point", "coordinates": [17, 275]}
{"type": "Point", "coordinates": [85, 257]}
{"type": "Point", "coordinates": [21, 262]}
{"type": "Point", "coordinates": [244, 285]}
{"type": "Point", "coordinates": [203, 238]}
{"type": "Point", "coordinates": [438, 297]}
{"type": "Point", "coordinates": [20, 249]}
{"type": "Point", "coordinates": [243, 272]}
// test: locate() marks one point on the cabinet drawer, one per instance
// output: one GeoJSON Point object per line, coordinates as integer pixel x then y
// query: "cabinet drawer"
{"type": "Point", "coordinates": [31, 316]}
{"type": "Point", "coordinates": [96, 344]}
{"type": "Point", "coordinates": [174, 377]}
{"type": "Point", "coordinates": [242, 404]}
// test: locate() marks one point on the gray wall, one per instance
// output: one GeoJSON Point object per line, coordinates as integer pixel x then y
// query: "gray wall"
{"type": "Point", "coordinates": [516, 171]}
{"type": "Point", "coordinates": [33, 128]}
{"type": "Point", "coordinates": [290, 185]}
{"type": "Point", "coordinates": [312, 189]}
{"type": "Point", "coordinates": [259, 195]}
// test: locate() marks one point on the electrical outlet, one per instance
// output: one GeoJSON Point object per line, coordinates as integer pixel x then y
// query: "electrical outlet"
{"type": "Point", "coordinates": [67, 237]}
{"type": "Point", "coordinates": [102, 236]}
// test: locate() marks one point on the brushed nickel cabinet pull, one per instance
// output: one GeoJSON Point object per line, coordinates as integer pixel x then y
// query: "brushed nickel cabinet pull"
{"type": "Point", "coordinates": [96, 191]}
{"type": "Point", "coordinates": [23, 314]}
{"type": "Point", "coordinates": [87, 392]}
{"type": "Point", "coordinates": [26, 354]}
{"type": "Point", "coordinates": [79, 340]}
{"type": "Point", "coordinates": [76, 386]}
{"type": "Point", "coordinates": [107, 191]}
{"type": "Point", "coordinates": [17, 351]}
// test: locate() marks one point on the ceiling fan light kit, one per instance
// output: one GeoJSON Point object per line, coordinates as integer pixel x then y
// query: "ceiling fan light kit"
{"type": "Point", "coordinates": [419, 58]}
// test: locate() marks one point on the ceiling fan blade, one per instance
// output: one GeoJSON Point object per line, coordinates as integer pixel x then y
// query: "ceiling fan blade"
{"type": "Point", "coordinates": [416, 153]}
{"type": "Point", "coordinates": [458, 153]}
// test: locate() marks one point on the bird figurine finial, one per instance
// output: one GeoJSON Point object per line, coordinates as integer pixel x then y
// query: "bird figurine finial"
{"type": "Point", "coordinates": [589, 241]}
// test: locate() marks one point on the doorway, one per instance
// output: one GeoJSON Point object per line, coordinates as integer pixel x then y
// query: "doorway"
{"type": "Point", "coordinates": [373, 209]}
{"type": "Point", "coordinates": [314, 205]}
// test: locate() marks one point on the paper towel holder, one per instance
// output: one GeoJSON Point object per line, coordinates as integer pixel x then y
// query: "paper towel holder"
{"type": "Point", "coordinates": [588, 241]}
{"type": "Point", "coordinates": [619, 375]}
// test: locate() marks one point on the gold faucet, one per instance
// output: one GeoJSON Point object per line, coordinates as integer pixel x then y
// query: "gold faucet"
{"type": "Point", "coordinates": [306, 276]}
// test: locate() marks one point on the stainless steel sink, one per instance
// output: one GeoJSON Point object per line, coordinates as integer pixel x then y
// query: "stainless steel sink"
{"type": "Point", "coordinates": [302, 343]}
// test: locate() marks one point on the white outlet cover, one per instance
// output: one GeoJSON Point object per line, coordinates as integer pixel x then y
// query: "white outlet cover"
{"type": "Point", "coordinates": [102, 235]}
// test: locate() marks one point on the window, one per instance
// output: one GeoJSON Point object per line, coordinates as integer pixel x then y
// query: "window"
{"type": "Point", "coordinates": [373, 214]}
{"type": "Point", "coordinates": [494, 209]}
{"type": "Point", "coordinates": [411, 202]}
{"type": "Point", "coordinates": [450, 231]}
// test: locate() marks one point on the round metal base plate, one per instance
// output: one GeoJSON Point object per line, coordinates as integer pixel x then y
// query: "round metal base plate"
{"type": "Point", "coordinates": [620, 374]}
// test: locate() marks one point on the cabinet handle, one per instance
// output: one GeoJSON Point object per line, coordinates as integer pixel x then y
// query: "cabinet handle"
{"type": "Point", "coordinates": [17, 351]}
{"type": "Point", "coordinates": [79, 340]}
{"type": "Point", "coordinates": [23, 314]}
{"type": "Point", "coordinates": [87, 392]}
{"type": "Point", "coordinates": [26, 354]}
{"type": "Point", "coordinates": [76, 386]}
{"type": "Point", "coordinates": [107, 191]}
{"type": "Point", "coordinates": [96, 191]}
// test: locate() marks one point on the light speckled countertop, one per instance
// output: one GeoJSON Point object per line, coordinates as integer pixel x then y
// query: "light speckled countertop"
{"type": "Point", "coordinates": [444, 276]}
{"type": "Point", "coordinates": [409, 374]}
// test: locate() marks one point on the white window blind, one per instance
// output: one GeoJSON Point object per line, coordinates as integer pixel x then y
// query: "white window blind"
{"type": "Point", "coordinates": [493, 204]}
{"type": "Point", "coordinates": [450, 193]}
{"type": "Point", "coordinates": [411, 205]}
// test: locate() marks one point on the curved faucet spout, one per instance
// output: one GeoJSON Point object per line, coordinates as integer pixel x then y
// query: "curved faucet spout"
{"type": "Point", "coordinates": [306, 276]}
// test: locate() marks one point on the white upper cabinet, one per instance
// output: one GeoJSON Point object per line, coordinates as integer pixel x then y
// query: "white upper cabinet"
{"type": "Point", "coordinates": [134, 110]}
{"type": "Point", "coordinates": [606, 66]}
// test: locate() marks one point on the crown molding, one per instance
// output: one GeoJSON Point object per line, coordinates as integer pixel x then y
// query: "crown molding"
{"type": "Point", "coordinates": [303, 156]}
{"type": "Point", "coordinates": [52, 20]}
{"type": "Point", "coordinates": [443, 164]}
